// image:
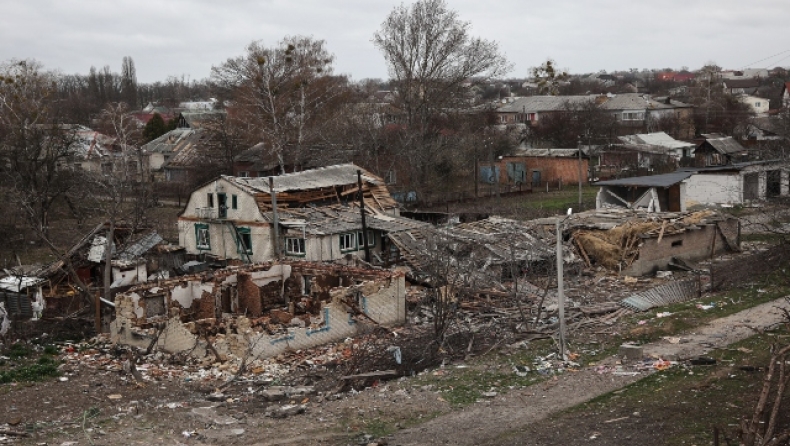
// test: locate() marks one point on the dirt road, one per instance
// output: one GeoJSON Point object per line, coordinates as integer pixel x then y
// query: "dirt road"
{"type": "Point", "coordinates": [484, 423]}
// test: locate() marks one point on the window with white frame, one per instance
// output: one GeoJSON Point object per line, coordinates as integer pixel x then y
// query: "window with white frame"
{"type": "Point", "coordinates": [348, 241]}
{"type": "Point", "coordinates": [244, 174]}
{"type": "Point", "coordinates": [361, 241]}
{"type": "Point", "coordinates": [295, 246]}
{"type": "Point", "coordinates": [633, 116]}
{"type": "Point", "coordinates": [389, 177]}
{"type": "Point", "coordinates": [202, 237]}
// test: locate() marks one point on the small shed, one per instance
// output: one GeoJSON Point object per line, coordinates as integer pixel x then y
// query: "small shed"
{"type": "Point", "coordinates": [718, 150]}
{"type": "Point", "coordinates": [654, 193]}
{"type": "Point", "coordinates": [536, 167]}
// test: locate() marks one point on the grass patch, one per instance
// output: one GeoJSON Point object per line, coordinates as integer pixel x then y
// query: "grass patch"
{"type": "Point", "coordinates": [18, 351]}
{"type": "Point", "coordinates": [29, 363]}
{"type": "Point", "coordinates": [44, 367]}
{"type": "Point", "coordinates": [718, 395]}
{"type": "Point", "coordinates": [687, 315]}
{"type": "Point", "coordinates": [771, 238]}
{"type": "Point", "coordinates": [466, 384]}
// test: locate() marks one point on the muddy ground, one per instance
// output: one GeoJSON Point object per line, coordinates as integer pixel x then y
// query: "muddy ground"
{"type": "Point", "coordinates": [93, 402]}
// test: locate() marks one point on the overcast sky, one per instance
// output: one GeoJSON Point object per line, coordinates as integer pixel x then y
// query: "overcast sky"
{"type": "Point", "coordinates": [186, 37]}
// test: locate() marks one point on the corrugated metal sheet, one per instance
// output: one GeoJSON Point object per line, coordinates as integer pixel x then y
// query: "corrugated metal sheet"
{"type": "Point", "coordinates": [338, 175]}
{"type": "Point", "coordinates": [672, 292]}
{"type": "Point", "coordinates": [660, 139]}
{"type": "Point", "coordinates": [140, 247]}
{"type": "Point", "coordinates": [665, 180]}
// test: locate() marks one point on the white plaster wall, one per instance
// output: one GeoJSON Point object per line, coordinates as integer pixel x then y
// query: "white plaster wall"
{"type": "Point", "coordinates": [223, 241]}
{"type": "Point", "coordinates": [156, 160]}
{"type": "Point", "coordinates": [247, 207]}
{"type": "Point", "coordinates": [752, 101]}
{"type": "Point", "coordinates": [714, 188]}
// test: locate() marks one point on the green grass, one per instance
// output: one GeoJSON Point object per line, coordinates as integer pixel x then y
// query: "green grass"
{"type": "Point", "coordinates": [719, 395]}
{"type": "Point", "coordinates": [492, 373]}
{"type": "Point", "coordinates": [18, 351]}
{"type": "Point", "coordinates": [44, 367]}
{"type": "Point", "coordinates": [559, 200]}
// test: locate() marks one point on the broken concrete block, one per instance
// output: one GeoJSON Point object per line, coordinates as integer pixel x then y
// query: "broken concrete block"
{"type": "Point", "coordinates": [217, 397]}
{"type": "Point", "coordinates": [631, 351]}
{"type": "Point", "coordinates": [273, 395]}
{"type": "Point", "coordinates": [286, 411]}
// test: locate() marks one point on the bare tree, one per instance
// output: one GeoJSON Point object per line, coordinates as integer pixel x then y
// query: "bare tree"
{"type": "Point", "coordinates": [34, 142]}
{"type": "Point", "coordinates": [430, 54]}
{"type": "Point", "coordinates": [281, 93]}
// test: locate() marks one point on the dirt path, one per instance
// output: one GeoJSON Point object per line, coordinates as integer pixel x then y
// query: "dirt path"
{"type": "Point", "coordinates": [484, 423]}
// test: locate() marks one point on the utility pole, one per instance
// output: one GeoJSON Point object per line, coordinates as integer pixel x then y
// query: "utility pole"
{"type": "Point", "coordinates": [560, 289]}
{"type": "Point", "coordinates": [707, 104]}
{"type": "Point", "coordinates": [362, 211]}
{"type": "Point", "coordinates": [276, 223]}
{"type": "Point", "coordinates": [580, 170]}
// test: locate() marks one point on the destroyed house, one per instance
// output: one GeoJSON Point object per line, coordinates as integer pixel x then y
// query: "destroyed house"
{"type": "Point", "coordinates": [53, 290]}
{"type": "Point", "coordinates": [260, 310]}
{"type": "Point", "coordinates": [487, 251]}
{"type": "Point", "coordinates": [317, 217]}
{"type": "Point", "coordinates": [636, 244]}
{"type": "Point", "coordinates": [183, 155]}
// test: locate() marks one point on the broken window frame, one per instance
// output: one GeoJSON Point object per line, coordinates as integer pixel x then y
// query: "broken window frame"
{"type": "Point", "coordinates": [295, 242]}
{"type": "Point", "coordinates": [348, 241]}
{"type": "Point", "coordinates": [202, 234]}
{"type": "Point", "coordinates": [243, 239]}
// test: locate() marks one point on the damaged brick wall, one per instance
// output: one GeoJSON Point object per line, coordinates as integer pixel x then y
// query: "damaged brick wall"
{"type": "Point", "coordinates": [692, 245]}
{"type": "Point", "coordinates": [193, 301]}
{"type": "Point", "coordinates": [249, 296]}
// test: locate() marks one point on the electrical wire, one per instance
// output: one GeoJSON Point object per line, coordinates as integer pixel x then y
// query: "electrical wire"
{"type": "Point", "coordinates": [769, 57]}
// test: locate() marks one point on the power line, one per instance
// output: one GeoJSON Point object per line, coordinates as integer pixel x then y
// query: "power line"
{"type": "Point", "coordinates": [769, 57]}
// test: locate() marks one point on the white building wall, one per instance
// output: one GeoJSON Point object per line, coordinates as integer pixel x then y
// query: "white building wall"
{"type": "Point", "coordinates": [714, 188]}
{"type": "Point", "coordinates": [758, 105]}
{"type": "Point", "coordinates": [155, 161]}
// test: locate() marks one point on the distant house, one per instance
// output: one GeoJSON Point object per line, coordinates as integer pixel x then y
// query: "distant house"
{"type": "Point", "coordinates": [95, 152]}
{"type": "Point", "coordinates": [533, 168]}
{"type": "Point", "coordinates": [740, 86]}
{"type": "Point", "coordinates": [628, 160]}
{"type": "Point", "coordinates": [632, 110]}
{"type": "Point", "coordinates": [758, 105]}
{"type": "Point", "coordinates": [786, 95]}
{"type": "Point", "coordinates": [200, 118]}
{"type": "Point", "coordinates": [183, 155]}
{"type": "Point", "coordinates": [660, 141]}
{"type": "Point", "coordinates": [317, 217]}
{"type": "Point", "coordinates": [718, 150]}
